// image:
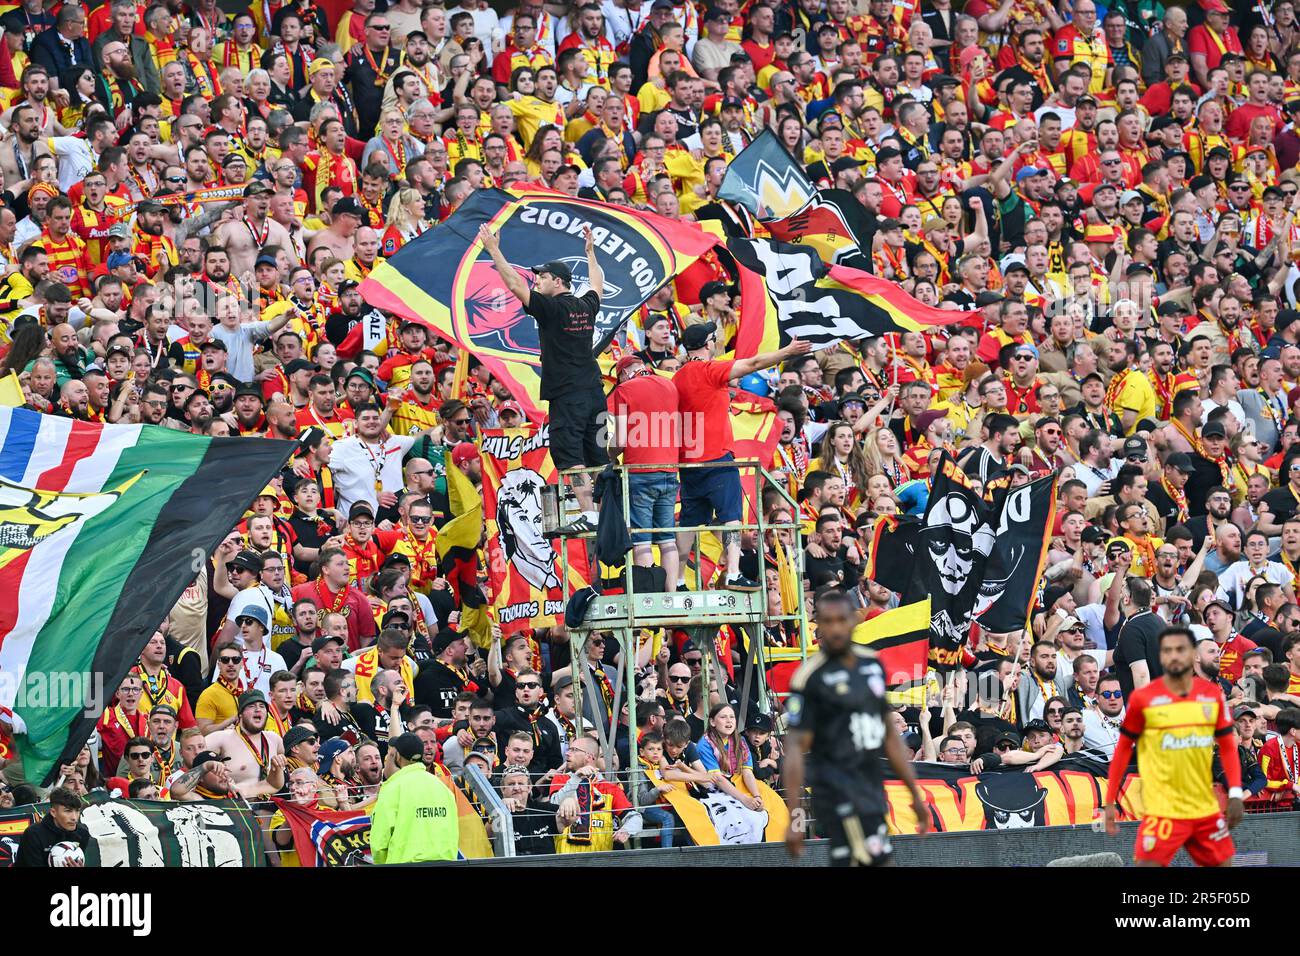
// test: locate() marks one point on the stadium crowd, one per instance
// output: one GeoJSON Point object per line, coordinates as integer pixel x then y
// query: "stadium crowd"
{"type": "Point", "coordinates": [1108, 194]}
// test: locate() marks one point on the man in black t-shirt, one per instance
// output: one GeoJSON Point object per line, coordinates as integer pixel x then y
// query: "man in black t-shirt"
{"type": "Point", "coordinates": [836, 714]}
{"type": "Point", "coordinates": [1137, 651]}
{"type": "Point", "coordinates": [570, 377]}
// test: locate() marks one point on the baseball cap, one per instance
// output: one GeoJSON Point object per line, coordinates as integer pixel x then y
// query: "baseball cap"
{"type": "Point", "coordinates": [988, 297]}
{"type": "Point", "coordinates": [362, 374]}
{"type": "Point", "coordinates": [296, 735]}
{"type": "Point", "coordinates": [1093, 535]}
{"type": "Point", "coordinates": [300, 365]}
{"type": "Point", "coordinates": [511, 406]}
{"type": "Point", "coordinates": [258, 187]}
{"type": "Point", "coordinates": [249, 388]}
{"type": "Point", "coordinates": [1037, 725]}
{"type": "Point", "coordinates": [1213, 430]}
{"type": "Point", "coordinates": [1241, 710]}
{"type": "Point", "coordinates": [1131, 195]}
{"type": "Point", "coordinates": [266, 261]}
{"type": "Point", "coordinates": [696, 335]}
{"type": "Point", "coordinates": [555, 268]}
{"type": "Point", "coordinates": [148, 205]}
{"type": "Point", "coordinates": [232, 158]}
{"type": "Point", "coordinates": [248, 560]}
{"type": "Point", "coordinates": [1133, 447]}
{"type": "Point", "coordinates": [1214, 6]}
{"type": "Point", "coordinates": [118, 259]}
{"type": "Point", "coordinates": [324, 639]}
{"type": "Point", "coordinates": [631, 361]}
{"type": "Point", "coordinates": [206, 756]}
{"type": "Point", "coordinates": [465, 451]}
{"type": "Point", "coordinates": [349, 206]}
{"type": "Point", "coordinates": [1029, 172]}
{"type": "Point", "coordinates": [845, 162]}
{"type": "Point", "coordinates": [409, 746]}
{"type": "Point", "coordinates": [347, 285]}
{"type": "Point", "coordinates": [1180, 460]}
{"type": "Point", "coordinates": [1172, 308]}
{"type": "Point", "coordinates": [250, 697]}
{"type": "Point", "coordinates": [330, 750]}
{"type": "Point", "coordinates": [710, 289]}
{"type": "Point", "coordinates": [360, 508]}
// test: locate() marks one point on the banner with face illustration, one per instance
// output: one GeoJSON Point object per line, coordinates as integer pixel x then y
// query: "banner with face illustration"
{"type": "Point", "coordinates": [971, 558]}
{"type": "Point", "coordinates": [952, 547]}
{"type": "Point", "coordinates": [1070, 794]}
{"type": "Point", "coordinates": [524, 567]}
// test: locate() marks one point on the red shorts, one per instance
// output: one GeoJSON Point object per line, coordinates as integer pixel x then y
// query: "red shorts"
{"type": "Point", "coordinates": [1206, 839]}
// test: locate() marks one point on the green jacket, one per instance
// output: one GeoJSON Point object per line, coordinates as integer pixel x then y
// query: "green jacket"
{"type": "Point", "coordinates": [414, 819]}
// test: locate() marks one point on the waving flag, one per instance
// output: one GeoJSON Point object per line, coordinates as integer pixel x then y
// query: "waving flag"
{"type": "Point", "coordinates": [900, 637]}
{"type": "Point", "coordinates": [807, 299]}
{"type": "Point", "coordinates": [766, 179]}
{"type": "Point", "coordinates": [446, 279]}
{"type": "Point", "coordinates": [831, 222]}
{"type": "Point", "coordinates": [101, 529]}
{"type": "Point", "coordinates": [524, 568]}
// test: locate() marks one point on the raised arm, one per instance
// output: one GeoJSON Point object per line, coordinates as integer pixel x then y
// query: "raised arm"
{"type": "Point", "coordinates": [743, 367]}
{"type": "Point", "coordinates": [517, 286]}
{"type": "Point", "coordinates": [595, 274]}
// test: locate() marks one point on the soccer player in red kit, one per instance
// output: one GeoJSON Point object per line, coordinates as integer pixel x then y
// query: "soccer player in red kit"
{"type": "Point", "coordinates": [1175, 721]}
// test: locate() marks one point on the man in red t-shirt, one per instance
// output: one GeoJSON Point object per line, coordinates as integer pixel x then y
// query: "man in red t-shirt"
{"type": "Point", "coordinates": [331, 593]}
{"type": "Point", "coordinates": [704, 402]}
{"type": "Point", "coordinates": [648, 434]}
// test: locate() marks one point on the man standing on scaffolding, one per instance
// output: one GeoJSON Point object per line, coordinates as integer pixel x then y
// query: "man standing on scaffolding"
{"type": "Point", "coordinates": [570, 377]}
{"type": "Point", "coordinates": [704, 401]}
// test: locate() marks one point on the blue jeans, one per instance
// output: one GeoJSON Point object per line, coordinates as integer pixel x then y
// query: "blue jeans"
{"type": "Point", "coordinates": [653, 504]}
{"type": "Point", "coordinates": [662, 819]}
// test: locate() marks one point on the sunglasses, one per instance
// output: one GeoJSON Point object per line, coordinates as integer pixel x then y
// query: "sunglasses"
{"type": "Point", "coordinates": [598, 641]}
{"type": "Point", "coordinates": [1111, 694]}
{"type": "Point", "coordinates": [424, 520]}
{"type": "Point", "coordinates": [229, 660]}
{"type": "Point", "coordinates": [692, 661]}
{"type": "Point", "coordinates": [679, 680]}
{"type": "Point", "coordinates": [1005, 746]}
{"type": "Point", "coordinates": [140, 755]}
{"type": "Point", "coordinates": [531, 685]}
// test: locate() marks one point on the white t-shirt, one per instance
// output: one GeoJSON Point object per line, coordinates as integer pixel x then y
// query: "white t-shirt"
{"type": "Point", "coordinates": [357, 465]}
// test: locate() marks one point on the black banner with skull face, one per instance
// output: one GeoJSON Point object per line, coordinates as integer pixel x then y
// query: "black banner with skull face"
{"type": "Point", "coordinates": [952, 547]}
{"type": "Point", "coordinates": [973, 559]}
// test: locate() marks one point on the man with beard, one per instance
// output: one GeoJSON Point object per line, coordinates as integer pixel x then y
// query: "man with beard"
{"type": "Point", "coordinates": [246, 235]}
{"type": "Point", "coordinates": [1041, 682]}
{"type": "Point", "coordinates": [150, 247]}
{"type": "Point", "coordinates": [248, 409]}
{"type": "Point", "coordinates": [1174, 723]}
{"type": "Point", "coordinates": [255, 755]}
{"type": "Point", "coordinates": [352, 324]}
{"type": "Point", "coordinates": [331, 593]}
{"type": "Point", "coordinates": [322, 410]}
{"type": "Point", "coordinates": [368, 773]}
{"type": "Point", "coordinates": [17, 148]}
{"type": "Point", "coordinates": [417, 408]}
{"type": "Point", "coordinates": [198, 412]}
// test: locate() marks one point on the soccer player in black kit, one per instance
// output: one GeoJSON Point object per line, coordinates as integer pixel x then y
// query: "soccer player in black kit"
{"type": "Point", "coordinates": [836, 715]}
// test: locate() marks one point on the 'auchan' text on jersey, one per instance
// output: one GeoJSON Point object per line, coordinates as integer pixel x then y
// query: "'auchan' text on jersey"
{"type": "Point", "coordinates": [646, 277]}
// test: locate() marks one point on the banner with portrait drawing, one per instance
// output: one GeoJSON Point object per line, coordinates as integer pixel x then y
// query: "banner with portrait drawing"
{"type": "Point", "coordinates": [524, 567]}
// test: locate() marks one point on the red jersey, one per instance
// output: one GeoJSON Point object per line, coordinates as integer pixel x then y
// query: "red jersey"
{"type": "Point", "coordinates": [68, 263]}
{"type": "Point", "coordinates": [654, 434]}
{"type": "Point", "coordinates": [704, 402]}
{"type": "Point", "coordinates": [1176, 737]}
{"type": "Point", "coordinates": [1279, 758]}
{"type": "Point", "coordinates": [349, 602]}
{"type": "Point", "coordinates": [1231, 653]}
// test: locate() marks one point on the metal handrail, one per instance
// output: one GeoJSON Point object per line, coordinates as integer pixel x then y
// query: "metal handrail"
{"type": "Point", "coordinates": [503, 825]}
{"type": "Point", "coordinates": [625, 633]}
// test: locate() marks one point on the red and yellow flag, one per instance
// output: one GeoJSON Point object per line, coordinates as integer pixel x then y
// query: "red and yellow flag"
{"type": "Point", "coordinates": [524, 567]}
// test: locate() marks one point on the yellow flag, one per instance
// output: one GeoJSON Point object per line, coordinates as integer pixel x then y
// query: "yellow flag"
{"type": "Point", "coordinates": [11, 391]}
